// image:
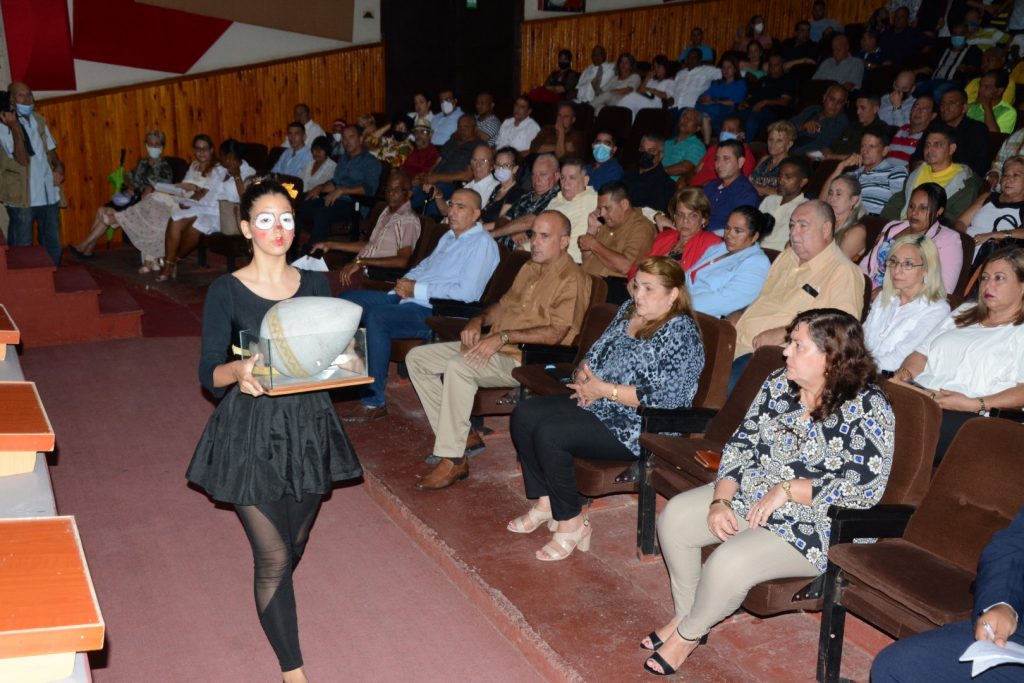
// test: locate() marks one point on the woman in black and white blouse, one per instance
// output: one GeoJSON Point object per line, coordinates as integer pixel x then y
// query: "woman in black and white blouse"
{"type": "Point", "coordinates": [819, 433]}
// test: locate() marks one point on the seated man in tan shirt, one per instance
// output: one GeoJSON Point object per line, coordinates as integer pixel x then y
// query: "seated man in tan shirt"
{"type": "Point", "coordinates": [545, 305]}
{"type": "Point", "coordinates": [811, 273]}
{"type": "Point", "coordinates": [618, 235]}
{"type": "Point", "coordinates": [391, 242]}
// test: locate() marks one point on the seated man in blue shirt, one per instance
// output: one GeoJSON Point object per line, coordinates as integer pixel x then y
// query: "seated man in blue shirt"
{"type": "Point", "coordinates": [296, 155]}
{"type": "Point", "coordinates": [459, 268]}
{"type": "Point", "coordinates": [605, 167]}
{"type": "Point", "coordinates": [731, 188]}
{"type": "Point", "coordinates": [358, 173]}
{"type": "Point", "coordinates": [998, 601]}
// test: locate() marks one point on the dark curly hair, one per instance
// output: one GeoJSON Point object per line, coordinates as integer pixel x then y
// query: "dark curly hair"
{"type": "Point", "coordinates": [849, 366]}
{"type": "Point", "coordinates": [260, 187]}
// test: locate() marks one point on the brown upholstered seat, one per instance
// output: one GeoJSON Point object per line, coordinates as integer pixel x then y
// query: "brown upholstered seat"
{"type": "Point", "coordinates": [923, 580]}
{"type": "Point", "coordinates": [383, 279]}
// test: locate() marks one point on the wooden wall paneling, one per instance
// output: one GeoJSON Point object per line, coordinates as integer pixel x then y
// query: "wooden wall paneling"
{"type": "Point", "coordinates": [252, 104]}
{"type": "Point", "coordinates": [664, 29]}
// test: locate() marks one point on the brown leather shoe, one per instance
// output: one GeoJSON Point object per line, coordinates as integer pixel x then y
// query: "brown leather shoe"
{"type": "Point", "coordinates": [444, 475]}
{"type": "Point", "coordinates": [363, 414]}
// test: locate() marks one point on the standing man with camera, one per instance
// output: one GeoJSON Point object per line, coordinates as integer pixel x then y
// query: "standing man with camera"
{"type": "Point", "coordinates": [30, 173]}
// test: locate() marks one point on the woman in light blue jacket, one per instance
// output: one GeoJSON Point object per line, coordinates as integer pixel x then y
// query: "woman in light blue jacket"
{"type": "Point", "coordinates": [729, 276]}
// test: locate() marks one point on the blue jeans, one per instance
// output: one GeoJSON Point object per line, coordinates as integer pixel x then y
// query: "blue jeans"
{"type": "Point", "coordinates": [933, 656]}
{"type": "Point", "coordinates": [322, 217]}
{"type": "Point", "coordinates": [385, 318]}
{"type": "Point", "coordinates": [20, 231]}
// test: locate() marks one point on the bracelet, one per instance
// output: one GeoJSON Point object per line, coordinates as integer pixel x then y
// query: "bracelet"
{"type": "Point", "coordinates": [787, 486]}
{"type": "Point", "coordinates": [615, 393]}
{"type": "Point", "coordinates": [724, 501]}
{"type": "Point", "coordinates": [983, 410]}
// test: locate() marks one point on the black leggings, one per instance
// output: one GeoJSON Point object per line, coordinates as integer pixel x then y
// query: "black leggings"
{"type": "Point", "coordinates": [547, 432]}
{"type": "Point", "coordinates": [278, 533]}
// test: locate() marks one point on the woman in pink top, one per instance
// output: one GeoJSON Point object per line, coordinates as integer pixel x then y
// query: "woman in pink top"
{"type": "Point", "coordinates": [683, 236]}
{"type": "Point", "coordinates": [927, 204]}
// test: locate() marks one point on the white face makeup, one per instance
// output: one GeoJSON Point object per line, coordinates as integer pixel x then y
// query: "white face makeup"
{"type": "Point", "coordinates": [265, 220]}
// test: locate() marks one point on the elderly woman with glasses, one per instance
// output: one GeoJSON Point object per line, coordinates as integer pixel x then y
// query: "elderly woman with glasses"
{"type": "Point", "coordinates": [683, 236]}
{"type": "Point", "coordinates": [912, 302]}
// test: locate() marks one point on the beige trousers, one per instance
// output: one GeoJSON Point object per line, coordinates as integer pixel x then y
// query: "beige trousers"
{"type": "Point", "coordinates": [447, 387]}
{"type": "Point", "coordinates": [703, 596]}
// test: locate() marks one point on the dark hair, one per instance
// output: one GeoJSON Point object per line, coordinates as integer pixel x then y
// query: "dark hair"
{"type": "Point", "coordinates": [507, 149]}
{"type": "Point", "coordinates": [1002, 78]}
{"type": "Point", "coordinates": [737, 149]}
{"type": "Point", "coordinates": [959, 91]}
{"type": "Point", "coordinates": [455, 95]}
{"type": "Point", "coordinates": [936, 199]}
{"type": "Point", "coordinates": [565, 53]}
{"type": "Point", "coordinates": [870, 97]}
{"type": "Point", "coordinates": [1014, 257]}
{"type": "Point", "coordinates": [758, 223]}
{"type": "Point", "coordinates": [260, 187]}
{"type": "Point", "coordinates": [573, 161]}
{"type": "Point", "coordinates": [616, 188]}
{"type": "Point", "coordinates": [802, 167]}
{"type": "Point", "coordinates": [203, 137]}
{"type": "Point", "coordinates": [296, 124]}
{"type": "Point", "coordinates": [732, 60]}
{"type": "Point", "coordinates": [232, 146]}
{"type": "Point", "coordinates": [525, 98]}
{"type": "Point", "coordinates": [662, 60]}
{"type": "Point", "coordinates": [943, 129]}
{"type": "Point", "coordinates": [883, 136]}
{"type": "Point", "coordinates": [849, 366]}
{"type": "Point", "coordinates": [322, 143]}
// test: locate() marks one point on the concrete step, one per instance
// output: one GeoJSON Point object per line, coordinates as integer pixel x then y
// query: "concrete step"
{"type": "Point", "coordinates": [118, 302]}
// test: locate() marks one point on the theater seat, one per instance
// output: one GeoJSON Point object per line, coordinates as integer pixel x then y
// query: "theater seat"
{"type": "Point", "coordinates": [922, 580]}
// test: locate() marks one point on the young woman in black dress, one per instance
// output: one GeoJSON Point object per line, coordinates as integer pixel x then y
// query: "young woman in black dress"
{"type": "Point", "coordinates": [273, 458]}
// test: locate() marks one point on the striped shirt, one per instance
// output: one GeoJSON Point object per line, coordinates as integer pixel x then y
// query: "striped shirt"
{"type": "Point", "coordinates": [879, 184]}
{"type": "Point", "coordinates": [904, 143]}
{"type": "Point", "coordinates": [395, 230]}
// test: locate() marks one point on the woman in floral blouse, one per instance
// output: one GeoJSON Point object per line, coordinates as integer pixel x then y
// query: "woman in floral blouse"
{"type": "Point", "coordinates": [819, 433]}
{"type": "Point", "coordinates": [652, 355]}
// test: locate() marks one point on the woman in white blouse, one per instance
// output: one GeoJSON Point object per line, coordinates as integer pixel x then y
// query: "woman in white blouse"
{"type": "Point", "coordinates": [321, 169]}
{"type": "Point", "coordinates": [912, 303]}
{"type": "Point", "coordinates": [626, 80]}
{"type": "Point", "coordinates": [974, 360]}
{"type": "Point", "coordinates": [656, 91]}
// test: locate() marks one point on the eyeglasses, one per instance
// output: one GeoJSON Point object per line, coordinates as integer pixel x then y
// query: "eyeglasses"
{"type": "Point", "coordinates": [479, 162]}
{"type": "Point", "coordinates": [509, 166]}
{"type": "Point", "coordinates": [265, 220]}
{"type": "Point", "coordinates": [903, 265]}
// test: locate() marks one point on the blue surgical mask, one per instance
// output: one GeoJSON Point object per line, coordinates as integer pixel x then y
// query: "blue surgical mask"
{"type": "Point", "coordinates": [726, 135]}
{"type": "Point", "coordinates": [25, 109]}
{"type": "Point", "coordinates": [958, 41]}
{"type": "Point", "coordinates": [602, 152]}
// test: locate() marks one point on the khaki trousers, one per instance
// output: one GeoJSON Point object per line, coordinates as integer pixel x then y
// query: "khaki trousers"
{"type": "Point", "coordinates": [703, 596]}
{"type": "Point", "coordinates": [447, 387]}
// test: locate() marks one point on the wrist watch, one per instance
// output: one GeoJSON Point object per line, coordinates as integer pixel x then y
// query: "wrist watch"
{"type": "Point", "coordinates": [787, 486]}
{"type": "Point", "coordinates": [504, 338]}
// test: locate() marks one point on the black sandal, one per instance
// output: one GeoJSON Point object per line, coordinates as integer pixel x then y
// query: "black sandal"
{"type": "Point", "coordinates": [666, 668]}
{"type": "Point", "coordinates": [655, 641]}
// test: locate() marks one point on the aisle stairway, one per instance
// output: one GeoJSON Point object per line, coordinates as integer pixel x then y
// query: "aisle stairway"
{"type": "Point", "coordinates": [62, 305]}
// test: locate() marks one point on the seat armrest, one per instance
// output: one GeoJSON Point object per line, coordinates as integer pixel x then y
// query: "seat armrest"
{"type": "Point", "coordinates": [537, 354]}
{"type": "Point", "coordinates": [1015, 414]}
{"type": "Point", "coordinates": [388, 274]}
{"type": "Point", "coordinates": [881, 521]}
{"type": "Point", "coordinates": [682, 420]}
{"type": "Point", "coordinates": [452, 308]}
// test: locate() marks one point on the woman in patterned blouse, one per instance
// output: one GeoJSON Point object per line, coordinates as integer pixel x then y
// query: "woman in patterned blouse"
{"type": "Point", "coordinates": [652, 355]}
{"type": "Point", "coordinates": [819, 433]}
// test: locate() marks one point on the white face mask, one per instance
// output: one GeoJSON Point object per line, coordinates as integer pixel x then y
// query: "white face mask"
{"type": "Point", "coordinates": [447, 107]}
{"type": "Point", "coordinates": [726, 135]}
{"type": "Point", "coordinates": [758, 28]}
{"type": "Point", "coordinates": [337, 137]}
{"type": "Point", "coordinates": [503, 174]}
{"type": "Point", "coordinates": [154, 152]}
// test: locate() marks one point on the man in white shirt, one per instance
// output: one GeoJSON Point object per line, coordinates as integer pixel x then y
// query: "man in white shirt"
{"type": "Point", "coordinates": [691, 82]}
{"type": "Point", "coordinates": [31, 173]}
{"type": "Point", "coordinates": [576, 201]}
{"type": "Point", "coordinates": [793, 178]}
{"type": "Point", "coordinates": [302, 115]}
{"type": "Point", "coordinates": [519, 130]}
{"type": "Point", "coordinates": [600, 70]}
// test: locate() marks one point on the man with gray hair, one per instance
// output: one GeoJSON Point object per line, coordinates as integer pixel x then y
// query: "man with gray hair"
{"type": "Point", "coordinates": [811, 273]}
{"type": "Point", "coordinates": [545, 305]}
{"type": "Point", "coordinates": [511, 229]}
{"type": "Point", "coordinates": [649, 185]}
